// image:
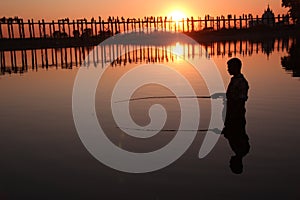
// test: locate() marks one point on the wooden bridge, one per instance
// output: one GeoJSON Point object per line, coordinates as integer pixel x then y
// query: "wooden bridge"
{"type": "Point", "coordinates": [17, 28]}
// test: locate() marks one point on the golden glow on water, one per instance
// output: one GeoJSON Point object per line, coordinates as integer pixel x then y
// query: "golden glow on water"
{"type": "Point", "coordinates": [38, 131]}
{"type": "Point", "coordinates": [178, 49]}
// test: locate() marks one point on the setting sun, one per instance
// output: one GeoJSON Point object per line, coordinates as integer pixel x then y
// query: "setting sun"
{"type": "Point", "coordinates": [178, 15]}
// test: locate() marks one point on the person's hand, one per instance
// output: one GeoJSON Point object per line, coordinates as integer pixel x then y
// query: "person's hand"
{"type": "Point", "coordinates": [218, 95]}
{"type": "Point", "coordinates": [216, 131]}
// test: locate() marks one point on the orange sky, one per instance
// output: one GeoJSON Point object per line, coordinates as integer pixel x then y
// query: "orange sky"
{"type": "Point", "coordinates": [55, 9]}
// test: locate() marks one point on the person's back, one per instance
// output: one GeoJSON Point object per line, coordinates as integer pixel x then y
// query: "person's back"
{"type": "Point", "coordinates": [236, 96]}
{"type": "Point", "coordinates": [237, 89]}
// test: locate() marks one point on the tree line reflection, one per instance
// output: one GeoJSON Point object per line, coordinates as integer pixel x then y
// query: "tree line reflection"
{"type": "Point", "coordinates": [22, 61]}
{"type": "Point", "coordinates": [291, 62]}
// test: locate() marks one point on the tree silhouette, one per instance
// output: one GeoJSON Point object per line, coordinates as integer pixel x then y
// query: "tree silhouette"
{"type": "Point", "coordinates": [294, 10]}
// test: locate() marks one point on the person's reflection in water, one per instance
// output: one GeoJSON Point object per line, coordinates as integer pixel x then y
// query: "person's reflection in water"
{"type": "Point", "coordinates": [235, 121]}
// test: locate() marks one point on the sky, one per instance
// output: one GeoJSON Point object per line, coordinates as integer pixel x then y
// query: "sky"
{"type": "Point", "coordinates": [75, 9]}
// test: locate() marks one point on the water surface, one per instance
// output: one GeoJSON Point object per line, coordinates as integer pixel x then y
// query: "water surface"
{"type": "Point", "coordinates": [43, 157]}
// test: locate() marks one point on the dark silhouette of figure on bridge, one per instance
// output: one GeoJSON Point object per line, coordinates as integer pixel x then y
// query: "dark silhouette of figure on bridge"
{"type": "Point", "coordinates": [235, 121]}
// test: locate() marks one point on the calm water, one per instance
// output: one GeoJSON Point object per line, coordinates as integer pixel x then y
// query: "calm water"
{"type": "Point", "coordinates": [42, 156]}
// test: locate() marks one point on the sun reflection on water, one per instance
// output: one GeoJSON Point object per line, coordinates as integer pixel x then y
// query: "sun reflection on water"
{"type": "Point", "coordinates": [178, 50]}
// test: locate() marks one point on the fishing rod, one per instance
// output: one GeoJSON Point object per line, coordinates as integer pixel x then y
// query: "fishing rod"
{"type": "Point", "coordinates": [165, 97]}
{"type": "Point", "coordinates": [215, 130]}
{"type": "Point", "coordinates": [214, 96]}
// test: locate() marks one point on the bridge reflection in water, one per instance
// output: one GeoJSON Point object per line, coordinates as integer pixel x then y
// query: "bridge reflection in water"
{"type": "Point", "coordinates": [20, 61]}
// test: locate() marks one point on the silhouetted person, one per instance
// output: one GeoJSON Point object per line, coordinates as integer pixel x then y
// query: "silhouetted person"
{"type": "Point", "coordinates": [235, 121]}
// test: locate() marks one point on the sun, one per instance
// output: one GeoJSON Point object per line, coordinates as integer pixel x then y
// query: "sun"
{"type": "Point", "coordinates": [177, 15]}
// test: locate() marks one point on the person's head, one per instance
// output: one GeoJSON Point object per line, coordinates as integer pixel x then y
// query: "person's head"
{"type": "Point", "coordinates": [234, 66]}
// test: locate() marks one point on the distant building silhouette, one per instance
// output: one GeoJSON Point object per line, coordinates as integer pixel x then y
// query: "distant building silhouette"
{"type": "Point", "coordinates": [267, 18]}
